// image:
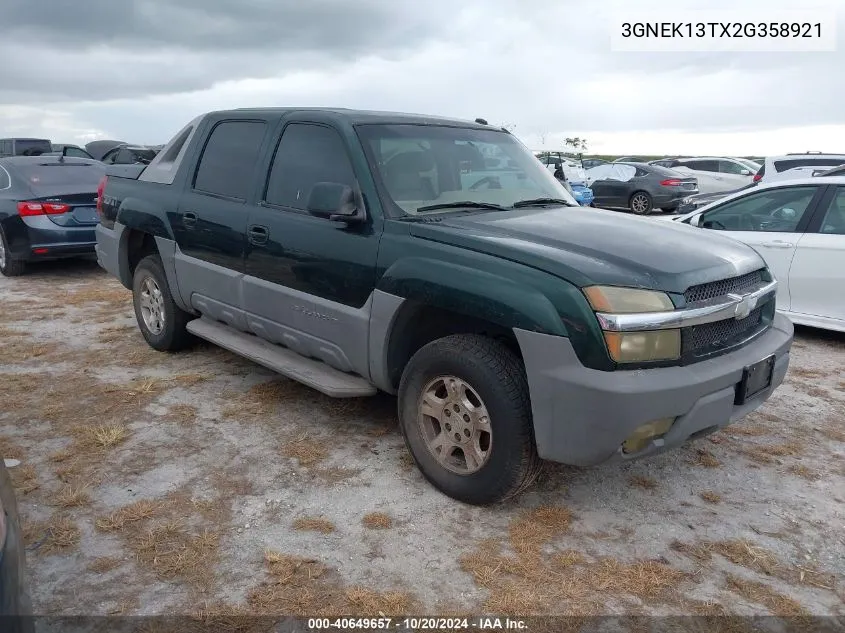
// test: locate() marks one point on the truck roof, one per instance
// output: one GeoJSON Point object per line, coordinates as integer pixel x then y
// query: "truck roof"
{"type": "Point", "coordinates": [367, 116]}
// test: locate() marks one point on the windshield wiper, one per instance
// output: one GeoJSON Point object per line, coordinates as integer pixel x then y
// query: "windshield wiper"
{"type": "Point", "coordinates": [468, 204]}
{"type": "Point", "coordinates": [540, 202]}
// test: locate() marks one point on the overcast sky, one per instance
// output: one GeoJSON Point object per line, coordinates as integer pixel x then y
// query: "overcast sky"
{"type": "Point", "coordinates": [137, 70]}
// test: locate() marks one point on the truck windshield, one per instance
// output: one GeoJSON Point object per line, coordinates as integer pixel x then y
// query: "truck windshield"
{"type": "Point", "coordinates": [425, 166]}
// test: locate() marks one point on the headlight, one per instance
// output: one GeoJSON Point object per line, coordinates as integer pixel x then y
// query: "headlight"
{"type": "Point", "coordinates": [636, 347]}
{"type": "Point", "coordinates": [616, 300]}
{"type": "Point", "coordinates": [643, 347]}
{"type": "Point", "coordinates": [686, 201]}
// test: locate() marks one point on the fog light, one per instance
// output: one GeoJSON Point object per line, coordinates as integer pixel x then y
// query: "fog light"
{"type": "Point", "coordinates": [644, 434]}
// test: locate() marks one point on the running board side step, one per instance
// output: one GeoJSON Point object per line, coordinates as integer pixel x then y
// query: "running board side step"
{"type": "Point", "coordinates": [313, 373]}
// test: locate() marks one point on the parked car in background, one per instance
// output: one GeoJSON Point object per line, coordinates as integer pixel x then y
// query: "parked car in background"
{"type": "Point", "coordinates": [664, 162]}
{"type": "Point", "coordinates": [574, 172]}
{"type": "Point", "coordinates": [639, 187]}
{"type": "Point", "coordinates": [24, 146]}
{"type": "Point", "coordinates": [383, 252]}
{"type": "Point", "coordinates": [98, 149]}
{"type": "Point", "coordinates": [583, 195]}
{"type": "Point", "coordinates": [779, 167]}
{"type": "Point", "coordinates": [47, 209]}
{"type": "Point", "coordinates": [630, 159]}
{"type": "Point", "coordinates": [716, 174]}
{"type": "Point", "coordinates": [15, 605]}
{"type": "Point", "coordinates": [798, 227]}
{"type": "Point", "coordinates": [129, 155]}
{"type": "Point", "coordinates": [691, 203]}
{"type": "Point", "coordinates": [589, 163]}
{"type": "Point", "coordinates": [73, 151]}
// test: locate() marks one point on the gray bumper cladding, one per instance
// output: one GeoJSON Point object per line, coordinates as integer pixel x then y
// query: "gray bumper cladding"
{"type": "Point", "coordinates": [582, 416]}
{"type": "Point", "coordinates": [107, 248]}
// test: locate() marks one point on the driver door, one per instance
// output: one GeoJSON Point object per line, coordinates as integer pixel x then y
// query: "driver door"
{"type": "Point", "coordinates": [769, 221]}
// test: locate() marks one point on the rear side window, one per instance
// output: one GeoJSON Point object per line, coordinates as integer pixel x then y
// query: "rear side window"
{"type": "Point", "coordinates": [228, 160]}
{"type": "Point", "coordinates": [783, 165]}
{"type": "Point", "coordinates": [49, 176]}
{"type": "Point", "coordinates": [307, 154]}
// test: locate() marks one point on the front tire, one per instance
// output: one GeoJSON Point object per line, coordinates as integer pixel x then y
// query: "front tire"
{"type": "Point", "coordinates": [160, 320]}
{"type": "Point", "coordinates": [9, 266]}
{"type": "Point", "coordinates": [640, 203]}
{"type": "Point", "coordinates": [465, 413]}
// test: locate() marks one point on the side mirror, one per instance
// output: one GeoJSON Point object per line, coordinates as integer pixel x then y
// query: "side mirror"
{"type": "Point", "coordinates": [337, 202]}
{"type": "Point", "coordinates": [745, 172]}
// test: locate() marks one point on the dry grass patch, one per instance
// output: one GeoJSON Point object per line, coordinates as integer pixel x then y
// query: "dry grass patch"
{"type": "Point", "coordinates": [54, 536]}
{"type": "Point", "coordinates": [22, 350]}
{"type": "Point", "coordinates": [815, 392]}
{"type": "Point", "coordinates": [104, 564]}
{"type": "Point", "coordinates": [406, 461]}
{"type": "Point", "coordinates": [831, 433]}
{"type": "Point", "coordinates": [640, 481]}
{"type": "Point", "coordinates": [305, 450]}
{"type": "Point", "coordinates": [706, 459]}
{"type": "Point", "coordinates": [132, 513]}
{"type": "Point", "coordinates": [24, 478]}
{"type": "Point", "coordinates": [697, 551]}
{"type": "Point", "coordinates": [806, 373]}
{"type": "Point", "coordinates": [308, 524]}
{"type": "Point", "coordinates": [750, 430]}
{"type": "Point", "coordinates": [643, 579]}
{"type": "Point", "coordinates": [101, 437]}
{"type": "Point", "coordinates": [804, 472]}
{"type": "Point", "coordinates": [261, 399]}
{"type": "Point", "coordinates": [363, 600]}
{"type": "Point", "coordinates": [171, 551]}
{"type": "Point", "coordinates": [183, 413]}
{"type": "Point", "coordinates": [534, 528]}
{"type": "Point", "coordinates": [711, 497]}
{"type": "Point", "coordinates": [783, 450]}
{"type": "Point", "coordinates": [109, 294]}
{"type": "Point", "coordinates": [377, 521]}
{"type": "Point", "coordinates": [189, 380]}
{"type": "Point", "coordinates": [775, 602]}
{"type": "Point", "coordinates": [303, 586]}
{"type": "Point", "coordinates": [116, 333]}
{"type": "Point", "coordinates": [744, 553]}
{"type": "Point", "coordinates": [9, 449]}
{"type": "Point", "coordinates": [70, 496]}
{"type": "Point", "coordinates": [567, 558]}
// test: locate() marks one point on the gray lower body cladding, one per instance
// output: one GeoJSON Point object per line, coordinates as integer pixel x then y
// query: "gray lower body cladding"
{"type": "Point", "coordinates": [582, 416]}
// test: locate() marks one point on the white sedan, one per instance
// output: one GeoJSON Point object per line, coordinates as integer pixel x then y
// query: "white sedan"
{"type": "Point", "coordinates": [798, 227]}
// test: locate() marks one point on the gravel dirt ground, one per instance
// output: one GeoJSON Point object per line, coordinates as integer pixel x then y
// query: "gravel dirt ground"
{"type": "Point", "coordinates": [199, 483]}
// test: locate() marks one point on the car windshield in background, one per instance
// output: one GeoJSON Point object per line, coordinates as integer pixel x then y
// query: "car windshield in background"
{"type": "Point", "coordinates": [144, 155]}
{"type": "Point", "coordinates": [53, 175]}
{"type": "Point", "coordinates": [443, 167]}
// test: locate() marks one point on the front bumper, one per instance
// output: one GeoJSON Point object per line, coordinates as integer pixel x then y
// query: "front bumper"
{"type": "Point", "coordinates": [582, 416]}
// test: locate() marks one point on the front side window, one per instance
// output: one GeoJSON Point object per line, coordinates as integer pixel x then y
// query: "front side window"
{"type": "Point", "coordinates": [424, 165]}
{"type": "Point", "coordinates": [773, 210]}
{"type": "Point", "coordinates": [730, 167]}
{"type": "Point", "coordinates": [228, 159]}
{"type": "Point", "coordinates": [307, 154]}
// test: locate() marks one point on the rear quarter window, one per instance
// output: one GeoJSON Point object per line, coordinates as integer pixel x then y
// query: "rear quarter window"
{"type": "Point", "coordinates": [227, 165]}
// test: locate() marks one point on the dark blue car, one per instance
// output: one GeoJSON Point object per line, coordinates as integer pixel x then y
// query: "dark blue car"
{"type": "Point", "coordinates": [47, 209]}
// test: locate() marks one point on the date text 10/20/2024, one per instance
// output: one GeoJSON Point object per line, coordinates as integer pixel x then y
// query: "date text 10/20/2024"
{"type": "Point", "coordinates": [418, 624]}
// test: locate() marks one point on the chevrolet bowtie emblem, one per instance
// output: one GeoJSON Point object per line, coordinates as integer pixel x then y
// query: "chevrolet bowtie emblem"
{"type": "Point", "coordinates": [743, 307]}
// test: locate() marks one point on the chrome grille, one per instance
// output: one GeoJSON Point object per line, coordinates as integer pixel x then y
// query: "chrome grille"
{"type": "Point", "coordinates": [737, 285]}
{"type": "Point", "coordinates": [704, 339]}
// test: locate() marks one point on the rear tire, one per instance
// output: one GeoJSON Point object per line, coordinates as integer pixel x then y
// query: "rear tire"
{"type": "Point", "coordinates": [468, 394]}
{"type": "Point", "coordinates": [160, 320]}
{"type": "Point", "coordinates": [640, 203]}
{"type": "Point", "coordinates": [9, 266]}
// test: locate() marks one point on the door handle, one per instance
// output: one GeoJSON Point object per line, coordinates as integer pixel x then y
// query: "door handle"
{"type": "Point", "coordinates": [258, 234]}
{"type": "Point", "coordinates": [777, 244]}
{"type": "Point", "coordinates": [189, 219]}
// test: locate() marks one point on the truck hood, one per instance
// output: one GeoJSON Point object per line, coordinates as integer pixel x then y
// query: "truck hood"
{"type": "Point", "coordinates": [588, 246]}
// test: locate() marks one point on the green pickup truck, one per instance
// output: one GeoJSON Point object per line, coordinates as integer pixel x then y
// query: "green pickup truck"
{"type": "Point", "coordinates": [438, 260]}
